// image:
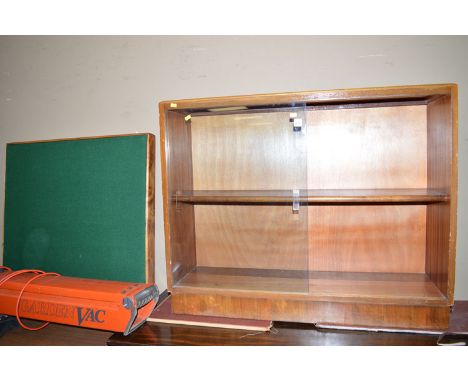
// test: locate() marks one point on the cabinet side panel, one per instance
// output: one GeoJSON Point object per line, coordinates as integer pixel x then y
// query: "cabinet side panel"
{"type": "Point", "coordinates": [182, 255]}
{"type": "Point", "coordinates": [439, 168]}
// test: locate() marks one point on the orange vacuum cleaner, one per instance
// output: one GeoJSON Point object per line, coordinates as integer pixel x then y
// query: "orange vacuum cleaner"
{"type": "Point", "coordinates": [99, 304]}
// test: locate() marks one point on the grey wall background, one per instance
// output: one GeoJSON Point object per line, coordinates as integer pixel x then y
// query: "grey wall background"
{"type": "Point", "coordinates": [57, 87]}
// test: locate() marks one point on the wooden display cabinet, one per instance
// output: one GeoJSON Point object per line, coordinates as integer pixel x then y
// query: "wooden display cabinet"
{"type": "Point", "coordinates": [332, 207]}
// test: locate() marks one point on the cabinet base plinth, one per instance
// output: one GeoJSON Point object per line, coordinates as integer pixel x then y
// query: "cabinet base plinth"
{"type": "Point", "coordinates": [417, 317]}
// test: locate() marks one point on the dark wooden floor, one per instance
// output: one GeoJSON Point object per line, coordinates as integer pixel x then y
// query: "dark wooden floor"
{"type": "Point", "coordinates": [281, 334]}
{"type": "Point", "coordinates": [55, 334]}
{"type": "Point", "coordinates": [286, 334]}
{"type": "Point", "coordinates": [165, 334]}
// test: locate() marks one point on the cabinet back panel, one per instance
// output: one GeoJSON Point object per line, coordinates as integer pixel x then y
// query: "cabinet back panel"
{"type": "Point", "coordinates": [236, 236]}
{"type": "Point", "coordinates": [382, 147]}
{"type": "Point", "coordinates": [247, 152]}
{"type": "Point", "coordinates": [367, 238]}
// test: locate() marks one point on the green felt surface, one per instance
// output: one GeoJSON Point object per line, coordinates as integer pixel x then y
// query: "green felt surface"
{"type": "Point", "coordinates": [77, 207]}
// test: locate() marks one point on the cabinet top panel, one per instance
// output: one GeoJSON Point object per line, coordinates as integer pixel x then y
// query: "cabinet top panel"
{"type": "Point", "coordinates": [357, 95]}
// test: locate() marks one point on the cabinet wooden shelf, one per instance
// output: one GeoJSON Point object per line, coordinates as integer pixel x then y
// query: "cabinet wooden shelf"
{"type": "Point", "coordinates": [406, 195]}
{"type": "Point", "coordinates": [326, 206]}
{"type": "Point", "coordinates": [389, 288]}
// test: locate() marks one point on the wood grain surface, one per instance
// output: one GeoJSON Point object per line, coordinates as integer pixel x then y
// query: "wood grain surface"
{"type": "Point", "coordinates": [356, 238]}
{"type": "Point", "coordinates": [442, 174]}
{"type": "Point", "coordinates": [371, 148]}
{"type": "Point", "coordinates": [179, 222]}
{"type": "Point", "coordinates": [248, 152]}
{"type": "Point", "coordinates": [270, 237]}
{"type": "Point", "coordinates": [54, 335]}
{"type": "Point", "coordinates": [322, 196]}
{"type": "Point", "coordinates": [380, 315]}
{"type": "Point", "coordinates": [388, 93]}
{"type": "Point", "coordinates": [368, 287]}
